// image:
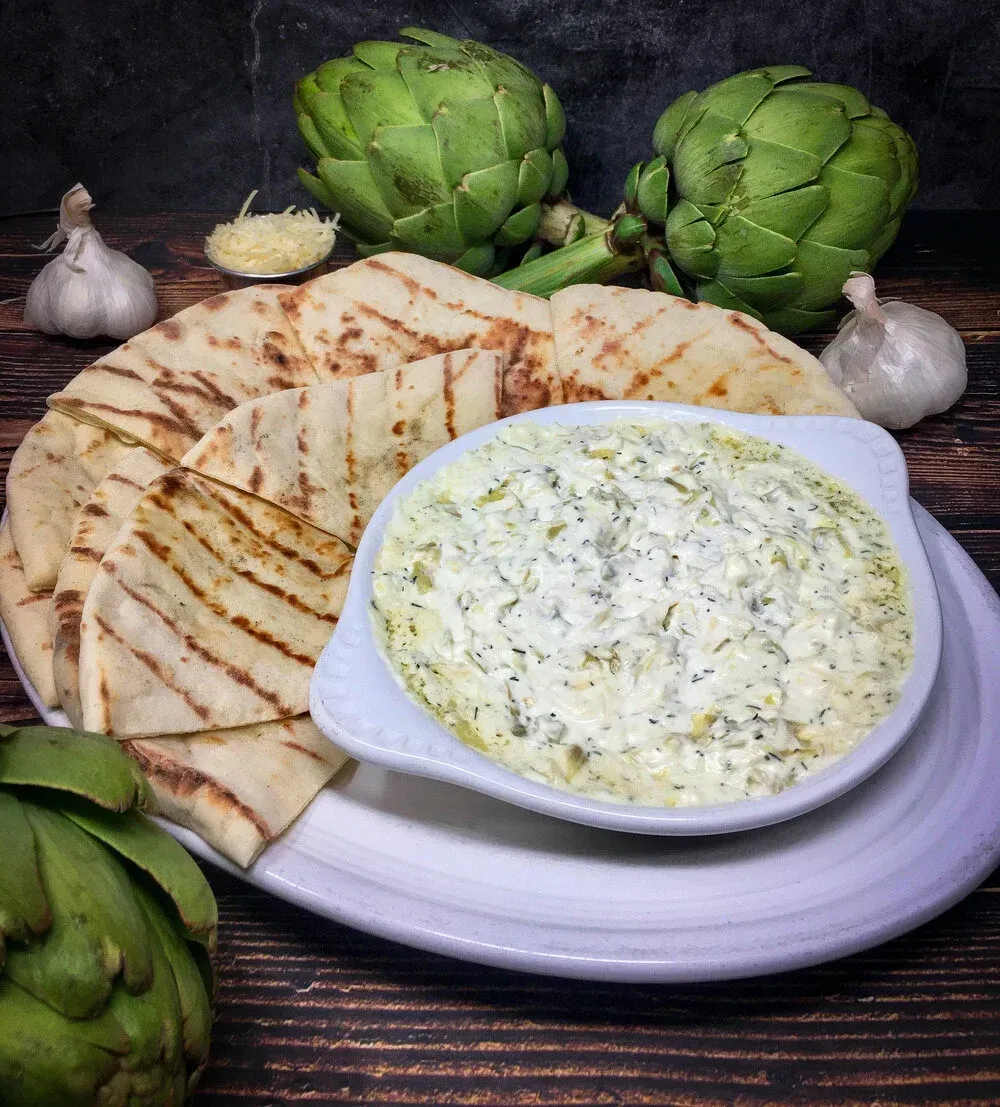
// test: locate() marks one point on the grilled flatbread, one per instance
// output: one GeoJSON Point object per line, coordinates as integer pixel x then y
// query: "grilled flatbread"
{"type": "Point", "coordinates": [396, 308]}
{"type": "Point", "coordinates": [209, 610]}
{"type": "Point", "coordinates": [52, 475]}
{"type": "Point", "coordinates": [96, 525]}
{"type": "Point", "coordinates": [331, 452]}
{"type": "Point", "coordinates": [627, 343]}
{"type": "Point", "coordinates": [167, 386]}
{"type": "Point", "coordinates": [238, 789]}
{"type": "Point", "coordinates": [26, 616]}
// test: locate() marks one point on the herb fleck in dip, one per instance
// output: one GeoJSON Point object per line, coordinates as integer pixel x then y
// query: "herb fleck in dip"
{"type": "Point", "coordinates": [668, 614]}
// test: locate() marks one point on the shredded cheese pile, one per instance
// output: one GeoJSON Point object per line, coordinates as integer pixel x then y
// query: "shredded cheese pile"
{"type": "Point", "coordinates": [271, 244]}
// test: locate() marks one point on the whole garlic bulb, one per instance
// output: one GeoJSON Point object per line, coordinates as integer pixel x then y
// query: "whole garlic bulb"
{"type": "Point", "coordinates": [90, 289]}
{"type": "Point", "coordinates": [896, 361]}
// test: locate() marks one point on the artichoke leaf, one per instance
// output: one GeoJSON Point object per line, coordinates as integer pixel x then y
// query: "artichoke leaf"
{"type": "Point", "coordinates": [737, 97]}
{"type": "Point", "coordinates": [97, 932]}
{"type": "Point", "coordinates": [377, 98]}
{"type": "Point", "coordinates": [555, 118]}
{"type": "Point", "coordinates": [560, 173]}
{"type": "Point", "coordinates": [522, 117]}
{"type": "Point", "coordinates": [320, 97]}
{"type": "Point", "coordinates": [855, 103]}
{"type": "Point", "coordinates": [651, 191]}
{"type": "Point", "coordinates": [310, 135]}
{"type": "Point", "coordinates": [857, 211]}
{"type": "Point", "coordinates": [478, 260]}
{"type": "Point", "coordinates": [534, 175]}
{"type": "Point", "coordinates": [790, 320]}
{"type": "Point", "coordinates": [469, 137]}
{"type": "Point", "coordinates": [46, 1059]}
{"type": "Point", "coordinates": [825, 269]}
{"type": "Point", "coordinates": [194, 999]}
{"type": "Point", "coordinates": [24, 910]}
{"type": "Point", "coordinates": [708, 160]}
{"type": "Point", "coordinates": [378, 55]}
{"type": "Point", "coordinates": [772, 168]}
{"type": "Point", "coordinates": [713, 292]}
{"type": "Point", "coordinates": [765, 293]}
{"type": "Point", "coordinates": [349, 188]}
{"type": "Point", "coordinates": [428, 38]}
{"type": "Point", "coordinates": [746, 249]}
{"type": "Point", "coordinates": [520, 226]}
{"type": "Point", "coordinates": [503, 72]}
{"type": "Point", "coordinates": [154, 1021]}
{"type": "Point", "coordinates": [691, 240]}
{"type": "Point", "coordinates": [668, 126]}
{"type": "Point", "coordinates": [162, 858]}
{"type": "Point", "coordinates": [789, 213]}
{"type": "Point", "coordinates": [818, 125]}
{"type": "Point", "coordinates": [433, 232]}
{"type": "Point", "coordinates": [406, 167]}
{"type": "Point", "coordinates": [76, 761]}
{"type": "Point", "coordinates": [882, 241]}
{"type": "Point", "coordinates": [484, 200]}
{"type": "Point", "coordinates": [441, 76]}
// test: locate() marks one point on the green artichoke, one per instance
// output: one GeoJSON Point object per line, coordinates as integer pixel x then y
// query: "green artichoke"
{"type": "Point", "coordinates": [106, 932]}
{"type": "Point", "coordinates": [768, 192]}
{"type": "Point", "coordinates": [442, 148]}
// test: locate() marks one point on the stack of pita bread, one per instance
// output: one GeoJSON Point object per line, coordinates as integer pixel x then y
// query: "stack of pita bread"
{"type": "Point", "coordinates": [181, 522]}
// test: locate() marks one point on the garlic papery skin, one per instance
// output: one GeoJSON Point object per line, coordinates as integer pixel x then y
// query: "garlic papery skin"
{"type": "Point", "coordinates": [896, 361]}
{"type": "Point", "coordinates": [90, 289]}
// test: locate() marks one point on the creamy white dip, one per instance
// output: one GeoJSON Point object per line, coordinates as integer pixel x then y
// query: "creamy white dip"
{"type": "Point", "coordinates": [668, 614]}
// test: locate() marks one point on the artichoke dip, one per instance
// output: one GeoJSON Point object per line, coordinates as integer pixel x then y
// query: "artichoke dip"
{"type": "Point", "coordinates": [667, 614]}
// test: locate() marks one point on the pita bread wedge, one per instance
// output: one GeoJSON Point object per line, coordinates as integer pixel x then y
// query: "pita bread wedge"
{"type": "Point", "coordinates": [52, 475]}
{"type": "Point", "coordinates": [167, 386]}
{"type": "Point", "coordinates": [238, 789]}
{"type": "Point", "coordinates": [331, 452]}
{"type": "Point", "coordinates": [396, 308]}
{"type": "Point", "coordinates": [26, 616]}
{"type": "Point", "coordinates": [208, 611]}
{"type": "Point", "coordinates": [96, 525]}
{"type": "Point", "coordinates": [627, 343]}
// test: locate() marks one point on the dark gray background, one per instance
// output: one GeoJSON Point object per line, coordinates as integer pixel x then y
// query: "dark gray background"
{"type": "Point", "coordinates": [186, 104]}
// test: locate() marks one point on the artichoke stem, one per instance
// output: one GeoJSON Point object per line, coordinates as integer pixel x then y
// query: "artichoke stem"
{"type": "Point", "coordinates": [591, 260]}
{"type": "Point", "coordinates": [563, 223]}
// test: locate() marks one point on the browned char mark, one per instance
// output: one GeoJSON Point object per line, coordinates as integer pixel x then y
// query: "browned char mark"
{"type": "Point", "coordinates": [183, 781]}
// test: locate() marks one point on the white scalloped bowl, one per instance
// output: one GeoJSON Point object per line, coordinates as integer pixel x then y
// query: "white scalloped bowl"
{"type": "Point", "coordinates": [357, 701]}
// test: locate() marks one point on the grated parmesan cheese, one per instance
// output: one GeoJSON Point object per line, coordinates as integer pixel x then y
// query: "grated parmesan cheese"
{"type": "Point", "coordinates": [271, 244]}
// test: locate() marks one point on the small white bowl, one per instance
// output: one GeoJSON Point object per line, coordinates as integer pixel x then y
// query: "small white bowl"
{"type": "Point", "coordinates": [356, 700]}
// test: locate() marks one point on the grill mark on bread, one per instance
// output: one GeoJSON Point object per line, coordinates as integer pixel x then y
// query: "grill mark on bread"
{"type": "Point", "coordinates": [289, 744]}
{"type": "Point", "coordinates": [87, 552]}
{"type": "Point", "coordinates": [96, 510]}
{"type": "Point", "coordinates": [184, 781]}
{"type": "Point", "coordinates": [125, 480]}
{"type": "Point", "coordinates": [163, 553]}
{"type": "Point", "coordinates": [352, 467]}
{"type": "Point", "coordinates": [174, 482]}
{"type": "Point", "coordinates": [117, 371]}
{"type": "Point", "coordinates": [237, 675]}
{"type": "Point", "coordinates": [413, 286]}
{"type": "Point", "coordinates": [151, 663]}
{"type": "Point", "coordinates": [448, 392]}
{"type": "Point", "coordinates": [241, 622]}
{"type": "Point", "coordinates": [737, 320]}
{"type": "Point", "coordinates": [155, 418]}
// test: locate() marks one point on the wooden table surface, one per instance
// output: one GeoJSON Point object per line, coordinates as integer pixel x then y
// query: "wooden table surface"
{"type": "Point", "coordinates": [313, 1012]}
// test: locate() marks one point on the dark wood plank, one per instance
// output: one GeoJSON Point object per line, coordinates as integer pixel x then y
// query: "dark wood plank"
{"type": "Point", "coordinates": [313, 1012]}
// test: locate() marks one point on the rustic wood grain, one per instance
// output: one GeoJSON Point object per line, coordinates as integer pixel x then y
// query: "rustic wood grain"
{"type": "Point", "coordinates": [312, 1012]}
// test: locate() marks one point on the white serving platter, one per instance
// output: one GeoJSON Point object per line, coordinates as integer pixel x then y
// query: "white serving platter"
{"type": "Point", "coordinates": [359, 703]}
{"type": "Point", "coordinates": [444, 869]}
